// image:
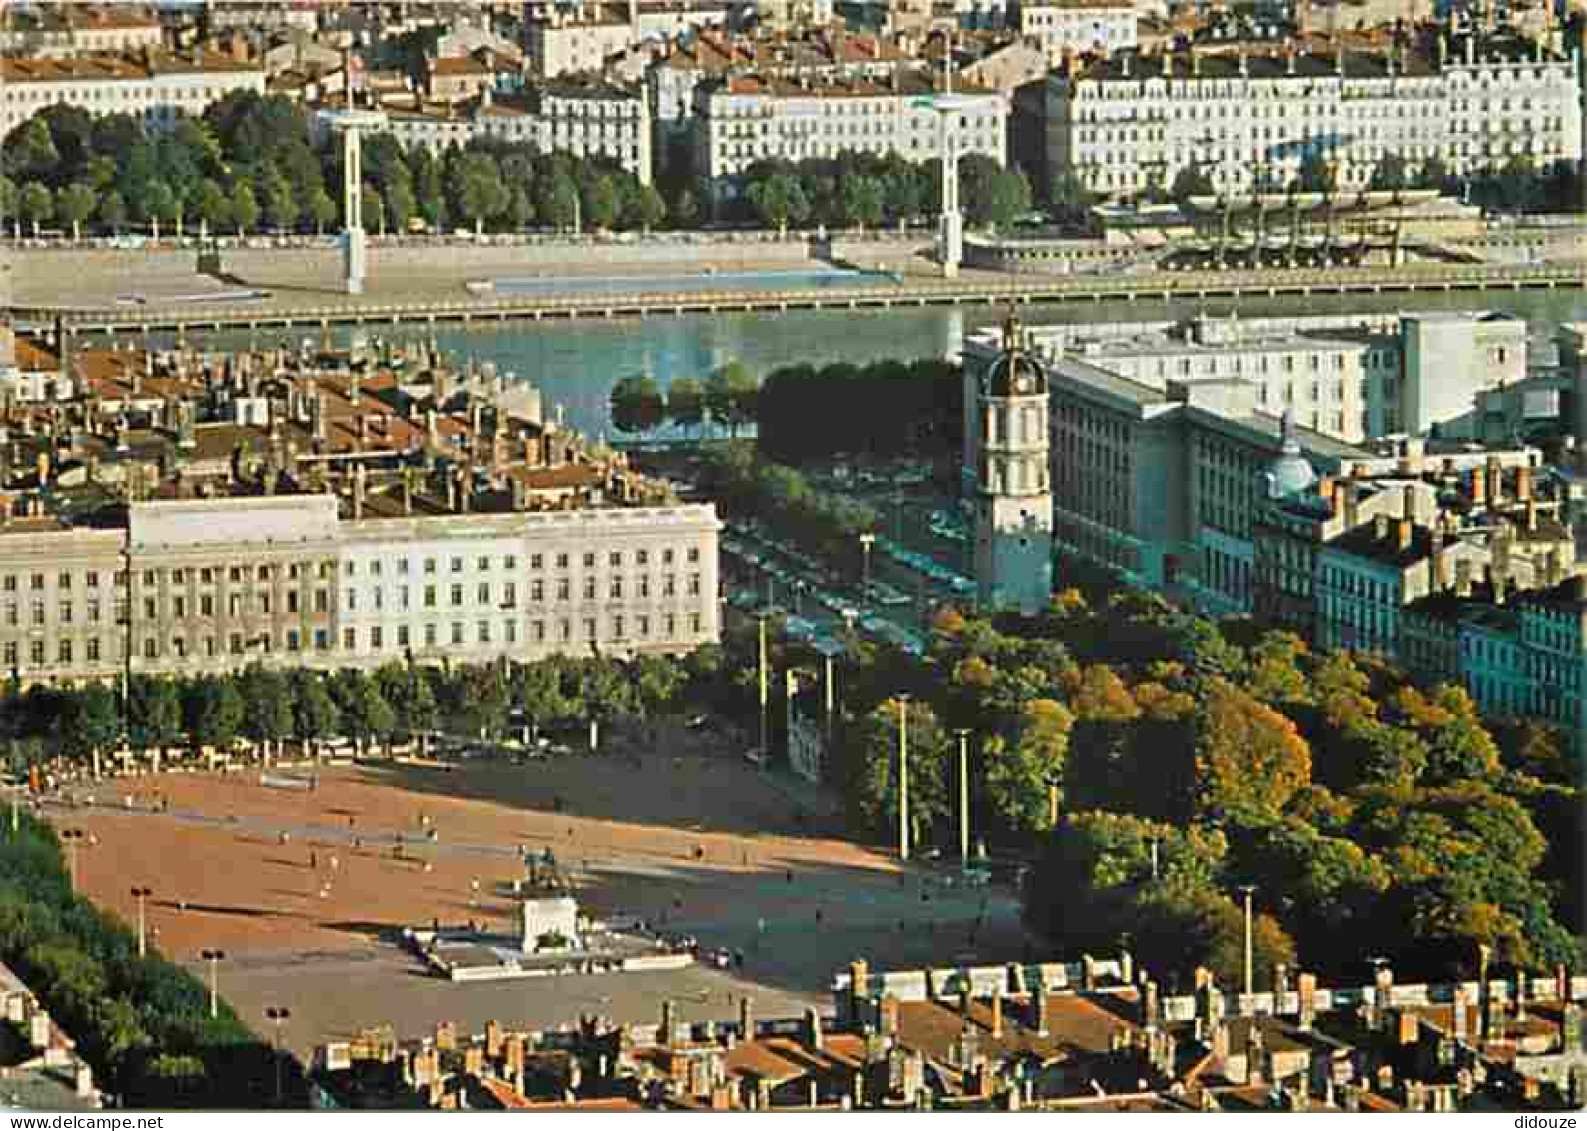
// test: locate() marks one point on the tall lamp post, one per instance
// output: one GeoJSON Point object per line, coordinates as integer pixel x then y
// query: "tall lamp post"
{"type": "Point", "coordinates": [213, 957]}
{"type": "Point", "coordinates": [867, 540]}
{"type": "Point", "coordinates": [764, 689]}
{"type": "Point", "coordinates": [1246, 890]}
{"type": "Point", "coordinates": [74, 839]}
{"type": "Point", "coordinates": [964, 796]}
{"type": "Point", "coordinates": [277, 1014]}
{"type": "Point", "coordinates": [141, 894]}
{"type": "Point", "coordinates": [903, 775]}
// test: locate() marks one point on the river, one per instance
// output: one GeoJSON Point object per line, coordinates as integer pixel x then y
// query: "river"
{"type": "Point", "coordinates": [575, 364]}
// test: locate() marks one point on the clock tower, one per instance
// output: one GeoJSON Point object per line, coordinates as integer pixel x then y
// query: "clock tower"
{"type": "Point", "coordinates": [1013, 496]}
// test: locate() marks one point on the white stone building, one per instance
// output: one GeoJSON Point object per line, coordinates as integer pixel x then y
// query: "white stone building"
{"type": "Point", "coordinates": [1351, 378]}
{"type": "Point", "coordinates": [582, 36]}
{"type": "Point", "coordinates": [1079, 26]}
{"type": "Point", "coordinates": [586, 118]}
{"type": "Point", "coordinates": [154, 86]}
{"type": "Point", "coordinates": [67, 30]}
{"type": "Point", "coordinates": [1249, 114]}
{"type": "Point", "coordinates": [747, 118]}
{"type": "Point", "coordinates": [209, 584]}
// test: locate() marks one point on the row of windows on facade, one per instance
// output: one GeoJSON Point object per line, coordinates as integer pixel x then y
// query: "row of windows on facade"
{"type": "Point", "coordinates": [1392, 109]}
{"type": "Point", "coordinates": [374, 567]}
{"type": "Point", "coordinates": [644, 627]}
{"type": "Point", "coordinates": [84, 92]}
{"type": "Point", "coordinates": [1190, 91]}
{"type": "Point", "coordinates": [262, 603]}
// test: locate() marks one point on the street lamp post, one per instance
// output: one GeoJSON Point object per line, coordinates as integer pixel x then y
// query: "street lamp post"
{"type": "Point", "coordinates": [277, 1014]}
{"type": "Point", "coordinates": [903, 776]}
{"type": "Point", "coordinates": [73, 838]}
{"type": "Point", "coordinates": [213, 957]}
{"type": "Point", "coordinates": [964, 796]}
{"type": "Point", "coordinates": [867, 540]}
{"type": "Point", "coordinates": [765, 696]}
{"type": "Point", "coordinates": [141, 894]}
{"type": "Point", "coordinates": [1246, 890]}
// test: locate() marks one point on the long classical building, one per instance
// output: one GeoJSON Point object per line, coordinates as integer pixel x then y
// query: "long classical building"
{"type": "Point", "coordinates": [1249, 114]}
{"type": "Point", "coordinates": [210, 513]}
{"type": "Point", "coordinates": [749, 118]}
{"type": "Point", "coordinates": [152, 85]}
{"type": "Point", "coordinates": [581, 115]}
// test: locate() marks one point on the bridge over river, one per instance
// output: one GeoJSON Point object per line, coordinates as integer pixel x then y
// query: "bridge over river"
{"type": "Point", "coordinates": [280, 309]}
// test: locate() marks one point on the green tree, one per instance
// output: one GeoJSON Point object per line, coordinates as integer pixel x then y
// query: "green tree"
{"type": "Point", "coordinates": [686, 402]}
{"type": "Point", "coordinates": [213, 712]}
{"type": "Point", "coordinates": [321, 208]}
{"type": "Point", "coordinates": [314, 712]}
{"type": "Point", "coordinates": [10, 201]}
{"type": "Point", "coordinates": [374, 210]}
{"type": "Point", "coordinates": [520, 209]}
{"type": "Point", "coordinates": [646, 209]}
{"type": "Point", "coordinates": [157, 205]}
{"type": "Point", "coordinates": [602, 202]}
{"type": "Point", "coordinates": [1317, 173]}
{"type": "Point", "coordinates": [1390, 174]}
{"type": "Point", "coordinates": [30, 152]}
{"type": "Point", "coordinates": [244, 207]}
{"type": "Point", "coordinates": [1249, 758]}
{"type": "Point", "coordinates": [91, 721]}
{"type": "Point", "coordinates": [364, 711]}
{"type": "Point", "coordinates": [685, 209]}
{"type": "Point", "coordinates": [477, 699]}
{"type": "Point", "coordinates": [267, 707]}
{"type": "Point", "coordinates": [778, 200]}
{"type": "Point", "coordinates": [557, 199]}
{"type": "Point", "coordinates": [37, 204]}
{"type": "Point", "coordinates": [872, 753]}
{"type": "Point", "coordinates": [482, 196]}
{"type": "Point", "coordinates": [282, 208]}
{"type": "Point", "coordinates": [1024, 767]}
{"type": "Point", "coordinates": [862, 201]}
{"type": "Point", "coordinates": [212, 206]}
{"type": "Point", "coordinates": [154, 712]}
{"type": "Point", "coordinates": [1068, 196]}
{"type": "Point", "coordinates": [76, 204]}
{"type": "Point", "coordinates": [400, 205]}
{"type": "Point", "coordinates": [636, 405]}
{"type": "Point", "coordinates": [1191, 180]}
{"type": "Point", "coordinates": [730, 394]}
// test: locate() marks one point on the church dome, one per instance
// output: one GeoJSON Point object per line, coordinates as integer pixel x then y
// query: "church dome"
{"type": "Point", "coordinates": [1291, 473]}
{"type": "Point", "coordinates": [1016, 372]}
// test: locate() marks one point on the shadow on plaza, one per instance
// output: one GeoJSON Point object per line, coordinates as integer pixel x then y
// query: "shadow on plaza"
{"type": "Point", "coordinates": [688, 793]}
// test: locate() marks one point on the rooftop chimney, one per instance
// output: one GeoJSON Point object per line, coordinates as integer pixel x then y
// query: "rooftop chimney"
{"type": "Point", "coordinates": [1479, 488]}
{"type": "Point", "coordinates": [1523, 483]}
{"type": "Point", "coordinates": [997, 1012]}
{"type": "Point", "coordinates": [746, 1017]}
{"type": "Point", "coordinates": [1402, 533]}
{"type": "Point", "coordinates": [1463, 577]}
{"type": "Point", "coordinates": [1380, 527]}
{"type": "Point", "coordinates": [813, 1035]}
{"type": "Point", "coordinates": [666, 1022]}
{"type": "Point", "coordinates": [1495, 481]}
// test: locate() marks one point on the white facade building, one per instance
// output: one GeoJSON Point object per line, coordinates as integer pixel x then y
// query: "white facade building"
{"type": "Point", "coordinates": [749, 118]}
{"type": "Point", "coordinates": [1351, 378]}
{"type": "Point", "coordinates": [582, 36]}
{"type": "Point", "coordinates": [1079, 26]}
{"type": "Point", "coordinates": [155, 87]}
{"type": "Point", "coordinates": [585, 119]}
{"type": "Point", "coordinates": [1251, 114]}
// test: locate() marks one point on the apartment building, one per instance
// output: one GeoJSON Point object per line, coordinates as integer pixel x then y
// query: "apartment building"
{"type": "Point", "coordinates": [1251, 113]}
{"type": "Point", "coordinates": [822, 53]}
{"type": "Point", "coordinates": [65, 31]}
{"type": "Point", "coordinates": [584, 35]}
{"type": "Point", "coordinates": [1351, 378]}
{"type": "Point", "coordinates": [155, 86]}
{"type": "Point", "coordinates": [749, 118]}
{"type": "Point", "coordinates": [214, 511]}
{"type": "Point", "coordinates": [1079, 26]}
{"type": "Point", "coordinates": [581, 115]}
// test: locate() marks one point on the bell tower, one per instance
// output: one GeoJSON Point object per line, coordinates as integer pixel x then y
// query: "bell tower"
{"type": "Point", "coordinates": [1013, 498]}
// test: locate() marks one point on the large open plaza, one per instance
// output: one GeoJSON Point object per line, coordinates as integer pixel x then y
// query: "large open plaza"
{"type": "Point", "coordinates": [306, 894]}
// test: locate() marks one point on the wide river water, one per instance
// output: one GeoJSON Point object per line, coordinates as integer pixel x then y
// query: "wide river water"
{"type": "Point", "coordinates": [575, 364]}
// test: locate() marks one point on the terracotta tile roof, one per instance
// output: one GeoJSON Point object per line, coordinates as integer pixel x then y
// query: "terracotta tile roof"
{"type": "Point", "coordinates": [778, 1059]}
